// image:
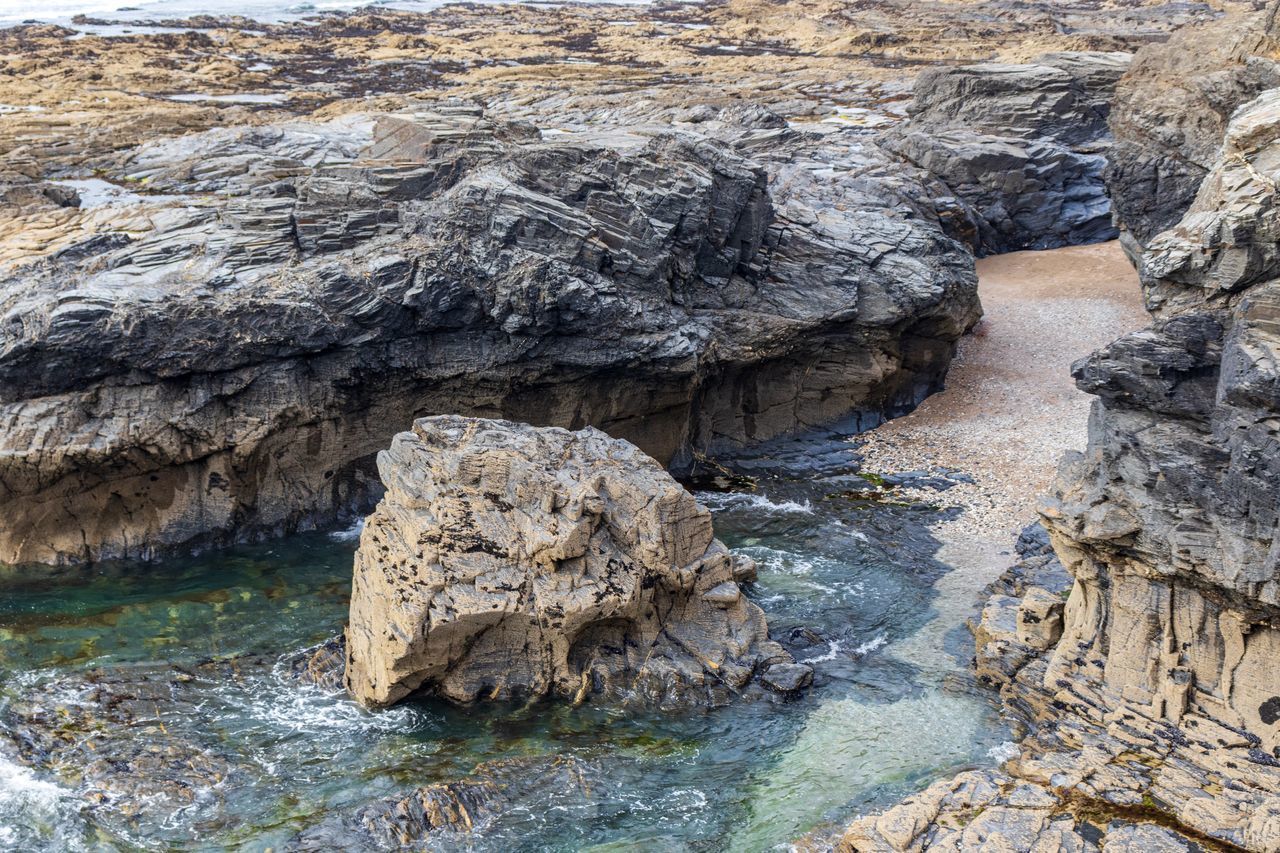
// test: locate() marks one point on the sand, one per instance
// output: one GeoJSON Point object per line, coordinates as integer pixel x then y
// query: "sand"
{"type": "Point", "coordinates": [1010, 409]}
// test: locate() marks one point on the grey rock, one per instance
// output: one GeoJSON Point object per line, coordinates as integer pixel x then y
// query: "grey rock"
{"type": "Point", "coordinates": [787, 677]}
{"type": "Point", "coordinates": [1021, 148]}
{"type": "Point", "coordinates": [1171, 110]}
{"type": "Point", "coordinates": [298, 293]}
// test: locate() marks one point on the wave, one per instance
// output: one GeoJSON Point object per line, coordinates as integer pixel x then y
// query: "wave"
{"type": "Point", "coordinates": [750, 500]}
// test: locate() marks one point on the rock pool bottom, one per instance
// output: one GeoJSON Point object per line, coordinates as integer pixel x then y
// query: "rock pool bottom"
{"type": "Point", "coordinates": [153, 706]}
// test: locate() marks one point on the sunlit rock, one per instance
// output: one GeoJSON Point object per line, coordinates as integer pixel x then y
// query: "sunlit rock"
{"type": "Point", "coordinates": [511, 561]}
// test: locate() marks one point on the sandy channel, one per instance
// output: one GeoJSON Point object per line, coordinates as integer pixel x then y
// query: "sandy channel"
{"type": "Point", "coordinates": [1010, 408]}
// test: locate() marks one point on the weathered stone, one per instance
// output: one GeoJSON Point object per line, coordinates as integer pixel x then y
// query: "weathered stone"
{"type": "Point", "coordinates": [1039, 618]}
{"type": "Point", "coordinates": [1171, 110]}
{"type": "Point", "coordinates": [296, 293]}
{"type": "Point", "coordinates": [1020, 147]}
{"type": "Point", "coordinates": [512, 561]}
{"type": "Point", "coordinates": [787, 677]}
{"type": "Point", "coordinates": [437, 813]}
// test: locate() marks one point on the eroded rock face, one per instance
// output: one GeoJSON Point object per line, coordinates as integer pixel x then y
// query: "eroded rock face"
{"type": "Point", "coordinates": [1021, 147]}
{"type": "Point", "coordinates": [218, 358]}
{"type": "Point", "coordinates": [1162, 694]}
{"type": "Point", "coordinates": [509, 561]}
{"type": "Point", "coordinates": [1171, 110]}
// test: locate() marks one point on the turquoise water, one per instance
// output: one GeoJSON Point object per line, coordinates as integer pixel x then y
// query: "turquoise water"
{"type": "Point", "coordinates": [193, 655]}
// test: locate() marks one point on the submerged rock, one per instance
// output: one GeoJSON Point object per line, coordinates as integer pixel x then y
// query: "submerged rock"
{"type": "Point", "coordinates": [511, 561]}
{"type": "Point", "coordinates": [1020, 147]}
{"type": "Point", "coordinates": [434, 813]}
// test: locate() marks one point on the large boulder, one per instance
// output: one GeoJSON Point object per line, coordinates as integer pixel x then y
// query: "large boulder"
{"type": "Point", "coordinates": [512, 561]}
{"type": "Point", "coordinates": [214, 349]}
{"type": "Point", "coordinates": [1171, 110]}
{"type": "Point", "coordinates": [1020, 147]}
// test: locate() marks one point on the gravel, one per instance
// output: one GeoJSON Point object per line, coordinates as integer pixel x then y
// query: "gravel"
{"type": "Point", "coordinates": [1010, 409]}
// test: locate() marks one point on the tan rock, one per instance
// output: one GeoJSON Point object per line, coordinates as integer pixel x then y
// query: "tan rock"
{"type": "Point", "coordinates": [509, 561]}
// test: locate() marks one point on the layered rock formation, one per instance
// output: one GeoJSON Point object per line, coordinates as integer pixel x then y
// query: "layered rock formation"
{"type": "Point", "coordinates": [1021, 147]}
{"type": "Point", "coordinates": [1150, 694]}
{"type": "Point", "coordinates": [218, 359]}
{"type": "Point", "coordinates": [1172, 109]}
{"type": "Point", "coordinates": [509, 561]}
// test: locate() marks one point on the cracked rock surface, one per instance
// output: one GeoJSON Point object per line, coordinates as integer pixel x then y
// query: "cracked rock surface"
{"type": "Point", "coordinates": [1021, 146]}
{"type": "Point", "coordinates": [219, 358]}
{"type": "Point", "coordinates": [509, 561]}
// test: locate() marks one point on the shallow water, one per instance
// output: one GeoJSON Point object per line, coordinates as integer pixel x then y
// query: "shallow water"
{"type": "Point", "coordinates": [845, 582]}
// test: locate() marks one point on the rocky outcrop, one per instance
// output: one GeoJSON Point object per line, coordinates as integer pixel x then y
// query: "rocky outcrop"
{"type": "Point", "coordinates": [1020, 147]}
{"type": "Point", "coordinates": [508, 561]}
{"type": "Point", "coordinates": [1158, 701]}
{"type": "Point", "coordinates": [213, 349]}
{"type": "Point", "coordinates": [1172, 109]}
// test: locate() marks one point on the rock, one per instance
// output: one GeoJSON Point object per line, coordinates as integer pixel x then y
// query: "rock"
{"type": "Point", "coordinates": [1020, 147]}
{"type": "Point", "coordinates": [1161, 690]}
{"type": "Point", "coordinates": [787, 677]}
{"type": "Point", "coordinates": [437, 813]}
{"type": "Point", "coordinates": [1039, 619]}
{"type": "Point", "coordinates": [1171, 110]}
{"type": "Point", "coordinates": [511, 561]}
{"type": "Point", "coordinates": [992, 810]}
{"type": "Point", "coordinates": [321, 666]}
{"type": "Point", "coordinates": [288, 296]}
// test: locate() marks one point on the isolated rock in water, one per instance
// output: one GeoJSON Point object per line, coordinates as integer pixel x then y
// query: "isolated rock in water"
{"type": "Point", "coordinates": [1021, 147]}
{"type": "Point", "coordinates": [1171, 110]}
{"type": "Point", "coordinates": [219, 359]}
{"type": "Point", "coordinates": [511, 561]}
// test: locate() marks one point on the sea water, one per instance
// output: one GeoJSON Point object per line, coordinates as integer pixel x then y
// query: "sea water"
{"type": "Point", "coordinates": [845, 581]}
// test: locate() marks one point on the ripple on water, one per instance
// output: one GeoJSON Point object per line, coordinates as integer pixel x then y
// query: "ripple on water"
{"type": "Point", "coordinates": [748, 776]}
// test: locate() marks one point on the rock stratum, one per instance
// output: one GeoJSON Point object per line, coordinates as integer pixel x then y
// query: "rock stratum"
{"type": "Point", "coordinates": [218, 356]}
{"type": "Point", "coordinates": [1171, 111]}
{"type": "Point", "coordinates": [507, 562]}
{"type": "Point", "coordinates": [1140, 652]}
{"type": "Point", "coordinates": [1022, 148]}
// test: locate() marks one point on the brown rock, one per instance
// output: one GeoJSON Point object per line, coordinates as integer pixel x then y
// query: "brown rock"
{"type": "Point", "coordinates": [508, 560]}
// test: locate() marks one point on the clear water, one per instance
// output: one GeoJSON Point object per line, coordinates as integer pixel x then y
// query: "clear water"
{"type": "Point", "coordinates": [752, 776]}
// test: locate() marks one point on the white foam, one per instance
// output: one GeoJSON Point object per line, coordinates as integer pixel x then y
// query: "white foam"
{"type": "Point", "coordinates": [1002, 752]}
{"type": "Point", "coordinates": [871, 645]}
{"type": "Point", "coordinates": [831, 654]}
{"type": "Point", "coordinates": [350, 534]}
{"type": "Point", "coordinates": [750, 500]}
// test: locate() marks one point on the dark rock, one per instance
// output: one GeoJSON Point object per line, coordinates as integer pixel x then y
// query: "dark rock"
{"type": "Point", "coordinates": [229, 374]}
{"type": "Point", "coordinates": [1021, 148]}
{"type": "Point", "coordinates": [787, 677]}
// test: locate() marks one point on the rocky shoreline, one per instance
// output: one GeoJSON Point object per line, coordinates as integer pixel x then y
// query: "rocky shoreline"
{"type": "Point", "coordinates": [1137, 651]}
{"type": "Point", "coordinates": [226, 283]}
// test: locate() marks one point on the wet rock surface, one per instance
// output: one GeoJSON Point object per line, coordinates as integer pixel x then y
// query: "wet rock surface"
{"type": "Point", "coordinates": [1021, 147]}
{"type": "Point", "coordinates": [508, 562]}
{"type": "Point", "coordinates": [446, 811]}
